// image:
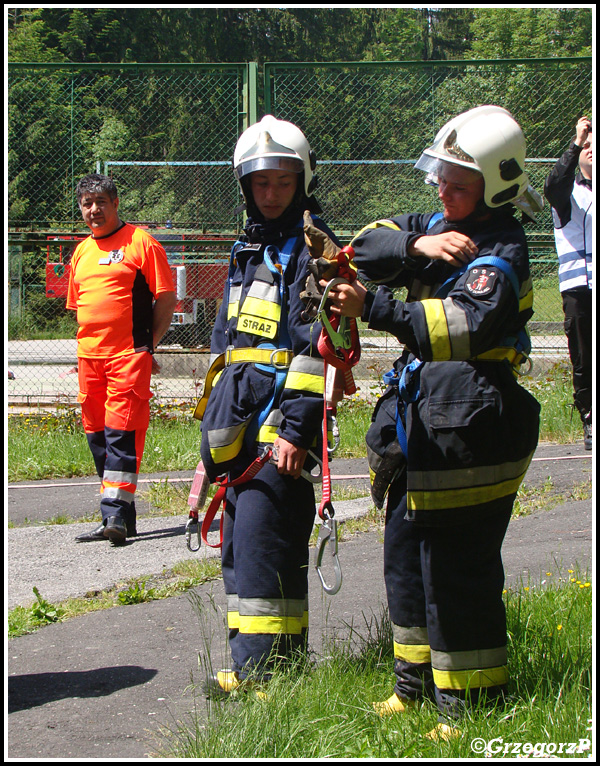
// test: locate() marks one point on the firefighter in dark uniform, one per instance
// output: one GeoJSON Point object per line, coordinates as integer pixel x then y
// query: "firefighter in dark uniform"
{"type": "Point", "coordinates": [453, 435]}
{"type": "Point", "coordinates": [268, 393]}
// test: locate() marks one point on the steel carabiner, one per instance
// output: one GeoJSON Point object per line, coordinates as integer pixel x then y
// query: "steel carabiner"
{"type": "Point", "coordinates": [190, 530]}
{"type": "Point", "coordinates": [314, 476]}
{"type": "Point", "coordinates": [342, 337]}
{"type": "Point", "coordinates": [328, 538]}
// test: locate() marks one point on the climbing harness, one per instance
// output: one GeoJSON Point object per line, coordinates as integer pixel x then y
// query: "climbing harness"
{"type": "Point", "coordinates": [339, 346]}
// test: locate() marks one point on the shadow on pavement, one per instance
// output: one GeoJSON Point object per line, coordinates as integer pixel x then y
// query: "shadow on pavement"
{"type": "Point", "coordinates": [29, 691]}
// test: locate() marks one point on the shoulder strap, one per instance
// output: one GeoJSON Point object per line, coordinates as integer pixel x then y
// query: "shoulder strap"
{"type": "Point", "coordinates": [433, 220]}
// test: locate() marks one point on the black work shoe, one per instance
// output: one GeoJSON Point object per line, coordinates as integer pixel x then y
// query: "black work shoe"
{"type": "Point", "coordinates": [95, 534]}
{"type": "Point", "coordinates": [115, 529]}
{"type": "Point", "coordinates": [587, 436]}
{"type": "Point", "coordinates": [98, 533]}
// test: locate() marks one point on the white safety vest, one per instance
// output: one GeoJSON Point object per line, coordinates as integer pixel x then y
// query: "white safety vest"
{"type": "Point", "coordinates": [574, 241]}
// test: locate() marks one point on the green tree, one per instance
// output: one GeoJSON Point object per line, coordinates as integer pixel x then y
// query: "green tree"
{"type": "Point", "coordinates": [531, 32]}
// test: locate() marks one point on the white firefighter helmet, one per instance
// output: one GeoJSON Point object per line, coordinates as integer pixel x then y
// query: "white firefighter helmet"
{"type": "Point", "coordinates": [487, 139]}
{"type": "Point", "coordinates": [275, 144]}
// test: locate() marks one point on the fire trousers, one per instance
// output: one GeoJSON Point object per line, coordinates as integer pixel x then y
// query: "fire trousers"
{"type": "Point", "coordinates": [266, 530]}
{"type": "Point", "coordinates": [444, 589]}
{"type": "Point", "coordinates": [577, 307]}
{"type": "Point", "coordinates": [115, 410]}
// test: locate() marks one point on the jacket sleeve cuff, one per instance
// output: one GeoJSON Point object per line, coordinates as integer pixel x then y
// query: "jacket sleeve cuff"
{"type": "Point", "coordinates": [366, 312]}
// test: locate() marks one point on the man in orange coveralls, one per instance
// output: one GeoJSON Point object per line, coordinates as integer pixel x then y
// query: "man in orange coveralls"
{"type": "Point", "coordinates": [122, 289]}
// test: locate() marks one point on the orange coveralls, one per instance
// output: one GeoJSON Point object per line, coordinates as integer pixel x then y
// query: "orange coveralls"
{"type": "Point", "coordinates": [112, 284]}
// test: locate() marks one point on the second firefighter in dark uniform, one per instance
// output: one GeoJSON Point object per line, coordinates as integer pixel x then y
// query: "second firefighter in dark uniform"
{"type": "Point", "coordinates": [453, 435]}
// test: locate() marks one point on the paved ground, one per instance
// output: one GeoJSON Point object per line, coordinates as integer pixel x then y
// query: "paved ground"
{"type": "Point", "coordinates": [103, 685]}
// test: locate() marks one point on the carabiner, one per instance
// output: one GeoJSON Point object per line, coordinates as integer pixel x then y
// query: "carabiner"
{"type": "Point", "coordinates": [315, 476]}
{"type": "Point", "coordinates": [342, 337]}
{"type": "Point", "coordinates": [190, 530]}
{"type": "Point", "coordinates": [328, 538]}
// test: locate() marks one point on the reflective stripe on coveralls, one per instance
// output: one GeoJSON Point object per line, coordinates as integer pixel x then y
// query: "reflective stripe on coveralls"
{"type": "Point", "coordinates": [261, 615]}
{"type": "Point", "coordinates": [115, 410]}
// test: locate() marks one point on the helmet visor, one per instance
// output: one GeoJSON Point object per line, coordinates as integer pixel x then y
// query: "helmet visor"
{"type": "Point", "coordinates": [430, 166]}
{"type": "Point", "coordinates": [289, 164]}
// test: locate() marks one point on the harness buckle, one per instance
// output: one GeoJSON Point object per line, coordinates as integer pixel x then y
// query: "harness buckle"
{"type": "Point", "coordinates": [328, 539]}
{"type": "Point", "coordinates": [192, 528]}
{"type": "Point", "coordinates": [279, 365]}
{"type": "Point", "coordinates": [229, 355]}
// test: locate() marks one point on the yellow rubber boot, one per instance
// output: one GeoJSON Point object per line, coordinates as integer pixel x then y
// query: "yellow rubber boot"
{"type": "Point", "coordinates": [443, 733]}
{"type": "Point", "coordinates": [228, 680]}
{"type": "Point", "coordinates": [224, 682]}
{"type": "Point", "coordinates": [394, 705]}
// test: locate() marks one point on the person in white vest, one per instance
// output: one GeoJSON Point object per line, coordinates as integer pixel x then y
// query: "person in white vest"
{"type": "Point", "coordinates": [570, 194]}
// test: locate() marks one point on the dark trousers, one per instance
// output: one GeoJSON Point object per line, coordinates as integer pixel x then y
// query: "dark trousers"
{"type": "Point", "coordinates": [445, 584]}
{"type": "Point", "coordinates": [577, 307]}
{"type": "Point", "coordinates": [266, 530]}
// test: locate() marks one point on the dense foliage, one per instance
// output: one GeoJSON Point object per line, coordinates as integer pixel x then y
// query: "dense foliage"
{"type": "Point", "coordinates": [118, 35]}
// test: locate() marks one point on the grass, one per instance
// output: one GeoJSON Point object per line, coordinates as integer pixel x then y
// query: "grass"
{"type": "Point", "coordinates": [322, 708]}
{"type": "Point", "coordinates": [178, 579]}
{"type": "Point", "coordinates": [52, 445]}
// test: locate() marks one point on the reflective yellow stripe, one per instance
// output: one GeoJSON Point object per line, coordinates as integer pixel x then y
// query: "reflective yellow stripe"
{"type": "Point", "coordinates": [459, 478]}
{"type": "Point", "coordinates": [457, 498]}
{"type": "Point", "coordinates": [233, 620]}
{"type": "Point", "coordinates": [257, 307]}
{"type": "Point", "coordinates": [301, 381]}
{"type": "Point", "coordinates": [270, 624]}
{"type": "Point", "coordinates": [526, 302]}
{"type": "Point", "coordinates": [501, 353]}
{"type": "Point", "coordinates": [234, 301]}
{"type": "Point", "coordinates": [470, 679]}
{"type": "Point", "coordinates": [437, 325]}
{"type": "Point", "coordinates": [458, 330]}
{"type": "Point", "coordinates": [262, 615]}
{"type": "Point", "coordinates": [230, 439]}
{"type": "Point", "coordinates": [377, 225]}
{"type": "Point", "coordinates": [267, 434]}
{"type": "Point", "coordinates": [412, 653]}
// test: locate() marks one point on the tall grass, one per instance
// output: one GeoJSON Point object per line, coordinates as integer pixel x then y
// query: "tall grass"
{"type": "Point", "coordinates": [323, 709]}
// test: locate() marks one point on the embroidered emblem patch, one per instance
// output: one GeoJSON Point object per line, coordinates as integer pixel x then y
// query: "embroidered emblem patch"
{"type": "Point", "coordinates": [481, 281]}
{"type": "Point", "coordinates": [116, 256]}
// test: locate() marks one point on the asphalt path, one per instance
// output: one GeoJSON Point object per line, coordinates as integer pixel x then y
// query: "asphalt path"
{"type": "Point", "coordinates": [105, 685]}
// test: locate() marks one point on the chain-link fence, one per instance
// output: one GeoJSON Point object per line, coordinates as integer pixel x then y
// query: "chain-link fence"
{"type": "Point", "coordinates": [166, 134]}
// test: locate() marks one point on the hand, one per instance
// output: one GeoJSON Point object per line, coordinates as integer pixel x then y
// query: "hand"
{"type": "Point", "coordinates": [451, 246]}
{"type": "Point", "coordinates": [582, 129]}
{"type": "Point", "coordinates": [319, 244]}
{"type": "Point", "coordinates": [291, 458]}
{"type": "Point", "coordinates": [346, 299]}
{"type": "Point", "coordinates": [155, 366]}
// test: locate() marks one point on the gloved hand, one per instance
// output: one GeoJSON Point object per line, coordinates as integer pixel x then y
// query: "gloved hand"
{"type": "Point", "coordinates": [323, 265]}
{"type": "Point", "coordinates": [319, 244]}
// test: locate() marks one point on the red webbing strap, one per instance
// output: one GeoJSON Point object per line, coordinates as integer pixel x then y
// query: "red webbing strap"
{"type": "Point", "coordinates": [343, 258]}
{"type": "Point", "coordinates": [342, 358]}
{"type": "Point", "coordinates": [326, 504]}
{"type": "Point", "coordinates": [219, 498]}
